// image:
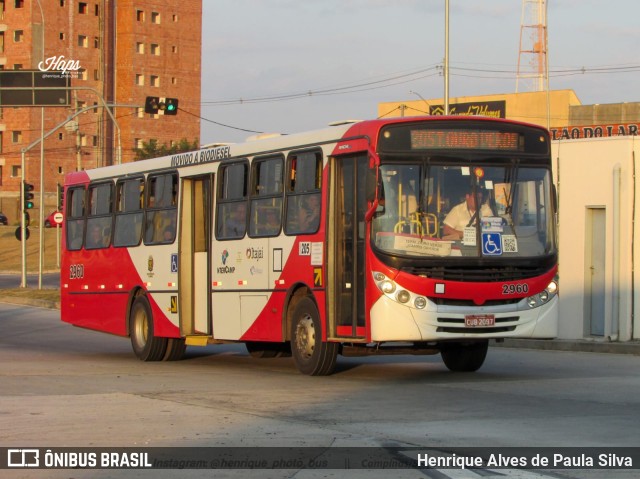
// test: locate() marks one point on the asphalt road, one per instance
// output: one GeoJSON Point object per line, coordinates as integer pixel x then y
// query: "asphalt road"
{"type": "Point", "coordinates": [61, 386]}
{"type": "Point", "coordinates": [11, 280]}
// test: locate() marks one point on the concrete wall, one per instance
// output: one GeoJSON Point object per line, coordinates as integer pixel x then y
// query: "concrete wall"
{"type": "Point", "coordinates": [598, 174]}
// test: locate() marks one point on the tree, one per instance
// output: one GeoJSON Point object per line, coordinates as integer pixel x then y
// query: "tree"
{"type": "Point", "coordinates": [152, 150]}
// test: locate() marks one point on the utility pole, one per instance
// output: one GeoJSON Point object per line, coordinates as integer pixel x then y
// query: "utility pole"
{"type": "Point", "coordinates": [446, 57]}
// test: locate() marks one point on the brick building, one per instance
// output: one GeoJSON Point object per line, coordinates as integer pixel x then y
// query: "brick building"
{"type": "Point", "coordinates": [125, 51]}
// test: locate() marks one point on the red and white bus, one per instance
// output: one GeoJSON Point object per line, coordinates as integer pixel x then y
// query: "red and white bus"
{"type": "Point", "coordinates": [337, 241]}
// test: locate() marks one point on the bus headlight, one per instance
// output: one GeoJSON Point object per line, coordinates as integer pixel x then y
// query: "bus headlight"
{"type": "Point", "coordinates": [420, 302]}
{"type": "Point", "coordinates": [387, 286]}
{"type": "Point", "coordinates": [544, 296]}
{"type": "Point", "coordinates": [392, 291]}
{"type": "Point", "coordinates": [403, 296]}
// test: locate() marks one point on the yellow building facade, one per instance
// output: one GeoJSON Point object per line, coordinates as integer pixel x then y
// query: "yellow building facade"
{"type": "Point", "coordinates": [550, 110]}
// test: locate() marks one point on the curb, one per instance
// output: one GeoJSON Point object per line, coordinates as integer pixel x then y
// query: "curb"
{"type": "Point", "coordinates": [574, 345]}
{"type": "Point", "coordinates": [39, 303]}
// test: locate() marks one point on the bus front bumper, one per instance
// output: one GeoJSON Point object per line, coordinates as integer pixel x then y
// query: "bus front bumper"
{"type": "Point", "coordinates": [393, 321]}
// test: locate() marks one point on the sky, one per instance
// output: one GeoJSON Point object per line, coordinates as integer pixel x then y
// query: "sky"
{"type": "Point", "coordinates": [285, 66]}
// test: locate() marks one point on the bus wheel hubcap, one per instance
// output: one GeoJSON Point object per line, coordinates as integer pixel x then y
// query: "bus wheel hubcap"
{"type": "Point", "coordinates": [140, 325]}
{"type": "Point", "coordinates": [306, 337]}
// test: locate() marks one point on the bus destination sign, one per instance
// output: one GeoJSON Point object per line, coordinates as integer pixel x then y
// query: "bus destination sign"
{"type": "Point", "coordinates": [441, 139]}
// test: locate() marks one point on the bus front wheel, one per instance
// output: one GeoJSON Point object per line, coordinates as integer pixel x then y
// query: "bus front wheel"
{"type": "Point", "coordinates": [311, 355]}
{"type": "Point", "coordinates": [461, 357]}
{"type": "Point", "coordinates": [146, 346]}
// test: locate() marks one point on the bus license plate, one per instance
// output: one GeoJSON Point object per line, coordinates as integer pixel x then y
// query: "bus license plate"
{"type": "Point", "coordinates": [479, 320]}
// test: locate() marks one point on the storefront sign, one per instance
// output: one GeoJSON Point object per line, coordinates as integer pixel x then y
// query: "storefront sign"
{"type": "Point", "coordinates": [493, 109]}
{"type": "Point", "coordinates": [594, 131]}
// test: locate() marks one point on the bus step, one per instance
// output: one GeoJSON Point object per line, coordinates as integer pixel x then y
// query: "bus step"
{"type": "Point", "coordinates": [196, 340]}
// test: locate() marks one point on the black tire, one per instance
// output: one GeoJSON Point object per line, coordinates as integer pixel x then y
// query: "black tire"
{"type": "Point", "coordinates": [47, 224]}
{"type": "Point", "coordinates": [464, 357]}
{"type": "Point", "coordinates": [310, 354]}
{"type": "Point", "coordinates": [175, 349]}
{"type": "Point", "coordinates": [146, 346]}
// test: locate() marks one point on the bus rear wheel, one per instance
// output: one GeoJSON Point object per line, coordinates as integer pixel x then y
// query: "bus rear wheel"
{"type": "Point", "coordinates": [146, 346]}
{"type": "Point", "coordinates": [464, 357]}
{"type": "Point", "coordinates": [311, 355]}
{"type": "Point", "coordinates": [176, 348]}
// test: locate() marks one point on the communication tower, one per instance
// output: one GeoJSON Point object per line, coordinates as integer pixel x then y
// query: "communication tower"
{"type": "Point", "coordinates": [532, 57]}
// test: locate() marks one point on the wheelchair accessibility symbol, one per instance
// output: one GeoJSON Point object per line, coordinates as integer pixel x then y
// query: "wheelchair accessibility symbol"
{"type": "Point", "coordinates": [491, 244]}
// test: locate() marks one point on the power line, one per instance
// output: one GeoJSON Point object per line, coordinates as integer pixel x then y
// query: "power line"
{"type": "Point", "coordinates": [354, 88]}
{"type": "Point", "coordinates": [220, 124]}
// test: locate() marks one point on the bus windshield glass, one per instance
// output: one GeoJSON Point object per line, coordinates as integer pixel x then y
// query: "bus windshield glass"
{"type": "Point", "coordinates": [502, 208]}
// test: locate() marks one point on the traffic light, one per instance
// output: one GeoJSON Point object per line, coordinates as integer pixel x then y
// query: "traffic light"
{"type": "Point", "coordinates": [159, 105]}
{"type": "Point", "coordinates": [28, 196]}
{"type": "Point", "coordinates": [151, 105]}
{"type": "Point", "coordinates": [171, 106]}
{"type": "Point", "coordinates": [60, 197]}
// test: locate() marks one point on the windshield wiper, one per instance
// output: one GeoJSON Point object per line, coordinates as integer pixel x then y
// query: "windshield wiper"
{"type": "Point", "coordinates": [509, 197]}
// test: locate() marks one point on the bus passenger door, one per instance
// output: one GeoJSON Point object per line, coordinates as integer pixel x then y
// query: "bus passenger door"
{"type": "Point", "coordinates": [346, 246]}
{"type": "Point", "coordinates": [194, 298]}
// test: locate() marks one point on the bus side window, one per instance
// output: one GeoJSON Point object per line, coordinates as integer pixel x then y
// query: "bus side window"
{"type": "Point", "coordinates": [161, 213]}
{"type": "Point", "coordinates": [231, 211]}
{"type": "Point", "coordinates": [266, 197]}
{"type": "Point", "coordinates": [129, 212]}
{"type": "Point", "coordinates": [303, 193]}
{"type": "Point", "coordinates": [75, 202]}
{"type": "Point", "coordinates": [98, 234]}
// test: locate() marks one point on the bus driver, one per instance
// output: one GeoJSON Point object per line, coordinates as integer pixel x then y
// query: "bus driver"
{"type": "Point", "coordinates": [462, 216]}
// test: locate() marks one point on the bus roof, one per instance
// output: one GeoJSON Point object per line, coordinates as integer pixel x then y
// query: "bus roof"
{"type": "Point", "coordinates": [269, 144]}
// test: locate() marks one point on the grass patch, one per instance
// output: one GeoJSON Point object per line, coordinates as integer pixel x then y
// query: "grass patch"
{"type": "Point", "coordinates": [11, 253]}
{"type": "Point", "coordinates": [43, 294]}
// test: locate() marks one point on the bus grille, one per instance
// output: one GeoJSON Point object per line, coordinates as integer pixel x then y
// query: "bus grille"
{"type": "Point", "coordinates": [479, 274]}
{"type": "Point", "coordinates": [503, 329]}
{"type": "Point", "coordinates": [471, 303]}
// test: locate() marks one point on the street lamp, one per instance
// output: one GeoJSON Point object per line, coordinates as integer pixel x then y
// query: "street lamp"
{"type": "Point", "coordinates": [421, 97]}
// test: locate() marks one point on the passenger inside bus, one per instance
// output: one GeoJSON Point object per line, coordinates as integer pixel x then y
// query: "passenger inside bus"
{"type": "Point", "coordinates": [236, 223]}
{"type": "Point", "coordinates": [157, 223]}
{"type": "Point", "coordinates": [97, 237]}
{"type": "Point", "coordinates": [309, 213]}
{"type": "Point", "coordinates": [168, 234]}
{"type": "Point", "coordinates": [270, 225]}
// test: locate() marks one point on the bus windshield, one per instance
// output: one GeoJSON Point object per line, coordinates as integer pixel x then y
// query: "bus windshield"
{"type": "Point", "coordinates": [436, 208]}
